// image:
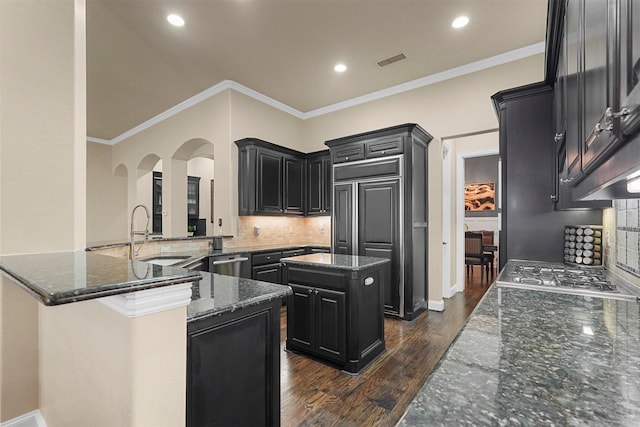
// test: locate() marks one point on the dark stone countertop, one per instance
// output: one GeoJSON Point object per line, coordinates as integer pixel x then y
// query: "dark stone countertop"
{"type": "Point", "coordinates": [530, 358]}
{"type": "Point", "coordinates": [66, 277]}
{"type": "Point", "coordinates": [342, 262]}
{"type": "Point", "coordinates": [215, 295]}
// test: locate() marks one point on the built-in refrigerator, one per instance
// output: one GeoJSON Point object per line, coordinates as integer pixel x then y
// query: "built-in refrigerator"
{"type": "Point", "coordinates": [380, 194]}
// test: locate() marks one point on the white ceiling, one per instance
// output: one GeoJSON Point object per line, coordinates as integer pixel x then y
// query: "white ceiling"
{"type": "Point", "coordinates": [139, 66]}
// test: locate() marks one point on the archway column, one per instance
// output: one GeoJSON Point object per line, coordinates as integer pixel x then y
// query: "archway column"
{"type": "Point", "coordinates": [174, 196]}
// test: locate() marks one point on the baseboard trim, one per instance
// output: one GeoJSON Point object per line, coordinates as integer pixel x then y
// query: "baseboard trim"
{"type": "Point", "coordinates": [32, 419]}
{"type": "Point", "coordinates": [436, 305]}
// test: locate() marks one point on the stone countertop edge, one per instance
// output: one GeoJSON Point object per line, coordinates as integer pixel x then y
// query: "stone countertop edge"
{"type": "Point", "coordinates": [224, 251]}
{"type": "Point", "coordinates": [230, 308]}
{"type": "Point", "coordinates": [337, 261]}
{"type": "Point", "coordinates": [87, 293]}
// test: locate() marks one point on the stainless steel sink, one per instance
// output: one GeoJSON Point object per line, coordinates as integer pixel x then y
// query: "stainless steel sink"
{"type": "Point", "coordinates": [166, 259]}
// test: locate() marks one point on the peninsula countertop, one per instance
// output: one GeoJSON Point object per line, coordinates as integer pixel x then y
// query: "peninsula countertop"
{"type": "Point", "coordinates": [65, 277]}
{"type": "Point", "coordinates": [215, 295]}
{"type": "Point", "coordinates": [537, 358]}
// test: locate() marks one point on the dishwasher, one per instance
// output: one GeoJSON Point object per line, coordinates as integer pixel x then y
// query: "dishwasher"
{"type": "Point", "coordinates": [237, 265]}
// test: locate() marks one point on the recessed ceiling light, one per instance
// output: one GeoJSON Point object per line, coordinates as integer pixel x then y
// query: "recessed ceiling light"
{"type": "Point", "coordinates": [460, 22]}
{"type": "Point", "coordinates": [340, 68]}
{"type": "Point", "coordinates": [175, 20]}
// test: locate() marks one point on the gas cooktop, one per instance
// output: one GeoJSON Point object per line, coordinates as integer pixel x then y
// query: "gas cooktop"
{"type": "Point", "coordinates": [556, 277]}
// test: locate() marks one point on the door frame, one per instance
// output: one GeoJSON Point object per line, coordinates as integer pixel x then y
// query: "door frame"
{"type": "Point", "coordinates": [460, 157]}
{"type": "Point", "coordinates": [446, 220]}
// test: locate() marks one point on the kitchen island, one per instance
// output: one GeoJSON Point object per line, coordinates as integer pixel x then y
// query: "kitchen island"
{"type": "Point", "coordinates": [537, 358]}
{"type": "Point", "coordinates": [336, 310]}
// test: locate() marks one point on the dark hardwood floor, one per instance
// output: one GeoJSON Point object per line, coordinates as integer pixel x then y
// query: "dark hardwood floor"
{"type": "Point", "coordinates": [316, 394]}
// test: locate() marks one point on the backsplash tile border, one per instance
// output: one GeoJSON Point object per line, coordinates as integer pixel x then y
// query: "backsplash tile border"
{"type": "Point", "coordinates": [628, 235]}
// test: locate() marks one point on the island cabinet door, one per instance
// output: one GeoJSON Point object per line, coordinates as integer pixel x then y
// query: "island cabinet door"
{"type": "Point", "coordinates": [330, 307]}
{"type": "Point", "coordinates": [233, 369]}
{"type": "Point", "coordinates": [300, 317]}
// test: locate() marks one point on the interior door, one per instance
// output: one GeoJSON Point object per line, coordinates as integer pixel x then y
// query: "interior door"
{"type": "Point", "coordinates": [379, 232]}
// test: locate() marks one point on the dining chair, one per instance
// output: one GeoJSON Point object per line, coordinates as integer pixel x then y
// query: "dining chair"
{"type": "Point", "coordinates": [474, 253]}
{"type": "Point", "coordinates": [489, 248]}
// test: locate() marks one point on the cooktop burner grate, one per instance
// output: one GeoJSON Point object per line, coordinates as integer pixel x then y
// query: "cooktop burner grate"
{"type": "Point", "coordinates": [551, 277]}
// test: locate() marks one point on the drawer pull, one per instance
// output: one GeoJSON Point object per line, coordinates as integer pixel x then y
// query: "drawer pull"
{"type": "Point", "coordinates": [368, 281]}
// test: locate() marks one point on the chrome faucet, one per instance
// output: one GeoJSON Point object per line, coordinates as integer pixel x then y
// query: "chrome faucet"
{"type": "Point", "coordinates": [134, 233]}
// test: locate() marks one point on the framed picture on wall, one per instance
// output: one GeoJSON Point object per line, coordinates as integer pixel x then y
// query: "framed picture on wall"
{"type": "Point", "coordinates": [480, 196]}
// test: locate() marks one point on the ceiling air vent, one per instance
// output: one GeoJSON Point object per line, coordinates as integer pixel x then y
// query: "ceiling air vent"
{"type": "Point", "coordinates": [391, 60]}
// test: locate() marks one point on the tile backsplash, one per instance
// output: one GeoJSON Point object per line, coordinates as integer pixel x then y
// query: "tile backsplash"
{"type": "Point", "coordinates": [628, 235]}
{"type": "Point", "coordinates": [285, 231]}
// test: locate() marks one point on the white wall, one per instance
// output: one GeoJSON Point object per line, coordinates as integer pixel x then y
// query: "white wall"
{"type": "Point", "coordinates": [106, 197]}
{"type": "Point", "coordinates": [42, 171]}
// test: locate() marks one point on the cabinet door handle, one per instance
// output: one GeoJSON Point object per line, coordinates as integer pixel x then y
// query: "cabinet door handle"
{"type": "Point", "coordinates": [608, 116]}
{"type": "Point", "coordinates": [620, 114]}
{"type": "Point", "coordinates": [565, 180]}
{"type": "Point", "coordinates": [316, 292]}
{"type": "Point", "coordinates": [310, 291]}
{"type": "Point", "coordinates": [347, 158]}
{"type": "Point", "coordinates": [558, 137]}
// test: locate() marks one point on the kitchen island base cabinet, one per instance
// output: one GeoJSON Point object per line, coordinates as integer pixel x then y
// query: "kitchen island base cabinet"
{"type": "Point", "coordinates": [336, 314]}
{"type": "Point", "coordinates": [319, 325]}
{"type": "Point", "coordinates": [233, 368]}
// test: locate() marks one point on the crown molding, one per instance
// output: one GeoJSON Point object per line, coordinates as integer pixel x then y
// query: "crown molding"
{"type": "Point", "coordinates": [452, 73]}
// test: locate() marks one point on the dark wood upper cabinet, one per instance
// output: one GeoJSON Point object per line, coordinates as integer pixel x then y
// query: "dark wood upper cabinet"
{"type": "Point", "coordinates": [271, 179]}
{"type": "Point", "coordinates": [294, 185]}
{"type": "Point", "coordinates": [274, 180]}
{"type": "Point", "coordinates": [593, 64]}
{"type": "Point", "coordinates": [319, 183]}
{"type": "Point", "coordinates": [630, 65]}
{"type": "Point", "coordinates": [596, 77]}
{"type": "Point", "coordinates": [567, 115]}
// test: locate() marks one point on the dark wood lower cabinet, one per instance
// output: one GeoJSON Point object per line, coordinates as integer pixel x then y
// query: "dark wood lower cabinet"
{"type": "Point", "coordinates": [318, 321]}
{"type": "Point", "coordinates": [267, 273]}
{"type": "Point", "coordinates": [233, 368]}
